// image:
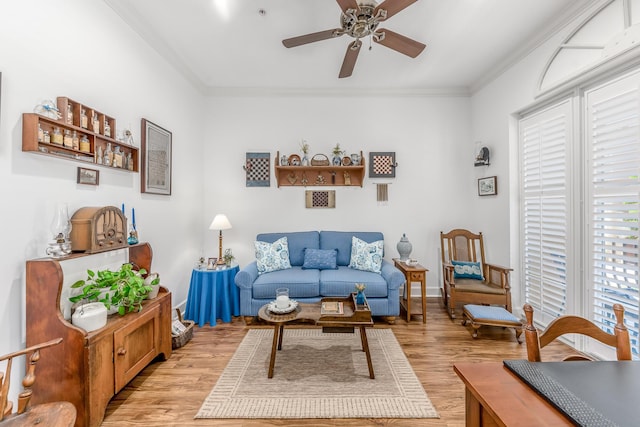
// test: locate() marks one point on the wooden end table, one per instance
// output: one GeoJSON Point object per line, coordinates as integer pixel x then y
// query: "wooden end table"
{"type": "Point", "coordinates": [413, 273]}
{"type": "Point", "coordinates": [354, 316]}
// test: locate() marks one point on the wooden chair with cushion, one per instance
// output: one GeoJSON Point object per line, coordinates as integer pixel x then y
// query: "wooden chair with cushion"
{"type": "Point", "coordinates": [55, 414]}
{"type": "Point", "coordinates": [576, 325]}
{"type": "Point", "coordinates": [467, 277]}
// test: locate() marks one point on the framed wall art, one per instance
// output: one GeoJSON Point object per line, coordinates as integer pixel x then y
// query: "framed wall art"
{"type": "Point", "coordinates": [320, 199]}
{"type": "Point", "coordinates": [488, 186]}
{"type": "Point", "coordinates": [88, 176]}
{"type": "Point", "coordinates": [258, 169]}
{"type": "Point", "coordinates": [155, 176]}
{"type": "Point", "coordinates": [382, 164]}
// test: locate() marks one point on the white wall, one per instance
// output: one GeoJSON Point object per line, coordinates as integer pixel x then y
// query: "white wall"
{"type": "Point", "coordinates": [82, 50]}
{"type": "Point", "coordinates": [493, 109]}
{"type": "Point", "coordinates": [430, 193]}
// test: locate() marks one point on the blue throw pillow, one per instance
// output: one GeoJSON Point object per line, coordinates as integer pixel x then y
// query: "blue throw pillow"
{"type": "Point", "coordinates": [320, 259]}
{"type": "Point", "coordinates": [366, 256]}
{"type": "Point", "coordinates": [467, 270]}
{"type": "Point", "coordinates": [272, 256]}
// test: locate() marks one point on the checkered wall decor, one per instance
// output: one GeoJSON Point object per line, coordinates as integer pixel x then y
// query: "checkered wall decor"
{"type": "Point", "coordinates": [382, 164]}
{"type": "Point", "coordinates": [320, 199]}
{"type": "Point", "coordinates": [258, 169]}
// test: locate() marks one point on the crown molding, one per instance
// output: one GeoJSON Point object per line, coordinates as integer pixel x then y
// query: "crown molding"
{"type": "Point", "coordinates": [337, 92]}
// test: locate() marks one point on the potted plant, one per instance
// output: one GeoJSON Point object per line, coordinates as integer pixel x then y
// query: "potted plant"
{"type": "Point", "coordinates": [124, 289]}
{"type": "Point", "coordinates": [228, 257]}
{"type": "Point", "coordinates": [337, 155]}
{"type": "Point", "coordinates": [304, 147]}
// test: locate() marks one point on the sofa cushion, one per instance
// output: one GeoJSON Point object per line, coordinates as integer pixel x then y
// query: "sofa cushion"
{"type": "Point", "coordinates": [366, 256]}
{"type": "Point", "coordinates": [301, 283]}
{"type": "Point", "coordinates": [272, 256]}
{"type": "Point", "coordinates": [298, 242]}
{"type": "Point", "coordinates": [341, 240]}
{"type": "Point", "coordinates": [341, 282]}
{"type": "Point", "coordinates": [467, 270]}
{"type": "Point", "coordinates": [320, 259]}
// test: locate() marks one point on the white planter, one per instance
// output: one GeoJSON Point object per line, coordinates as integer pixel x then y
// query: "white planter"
{"type": "Point", "coordinates": [154, 288]}
{"type": "Point", "coordinates": [90, 316]}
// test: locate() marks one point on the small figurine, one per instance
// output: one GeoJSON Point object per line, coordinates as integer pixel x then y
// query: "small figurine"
{"type": "Point", "coordinates": [347, 178]}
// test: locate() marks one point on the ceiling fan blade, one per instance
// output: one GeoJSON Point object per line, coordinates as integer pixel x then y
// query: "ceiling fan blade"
{"type": "Point", "coordinates": [393, 6]}
{"type": "Point", "coordinates": [398, 42]}
{"type": "Point", "coordinates": [347, 4]}
{"type": "Point", "coordinates": [350, 58]}
{"type": "Point", "coordinates": [313, 37]}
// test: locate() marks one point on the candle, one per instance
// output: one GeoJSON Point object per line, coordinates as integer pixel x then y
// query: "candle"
{"type": "Point", "coordinates": [123, 209]}
{"type": "Point", "coordinates": [282, 301]}
{"type": "Point", "coordinates": [133, 218]}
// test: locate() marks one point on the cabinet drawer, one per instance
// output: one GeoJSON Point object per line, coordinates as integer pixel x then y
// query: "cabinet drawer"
{"type": "Point", "coordinates": [417, 276]}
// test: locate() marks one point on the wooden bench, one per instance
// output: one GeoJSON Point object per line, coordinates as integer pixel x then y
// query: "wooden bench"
{"type": "Point", "coordinates": [487, 315]}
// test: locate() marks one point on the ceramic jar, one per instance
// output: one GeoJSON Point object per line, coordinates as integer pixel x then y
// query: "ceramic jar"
{"type": "Point", "coordinates": [404, 247]}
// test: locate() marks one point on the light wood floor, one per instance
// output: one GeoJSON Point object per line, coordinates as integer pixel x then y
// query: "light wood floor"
{"type": "Point", "coordinates": [170, 393]}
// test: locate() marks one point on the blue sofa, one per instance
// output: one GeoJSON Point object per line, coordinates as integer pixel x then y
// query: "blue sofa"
{"type": "Point", "coordinates": [311, 285]}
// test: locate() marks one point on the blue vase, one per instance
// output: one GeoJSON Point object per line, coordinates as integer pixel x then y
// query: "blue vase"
{"type": "Point", "coordinates": [360, 298]}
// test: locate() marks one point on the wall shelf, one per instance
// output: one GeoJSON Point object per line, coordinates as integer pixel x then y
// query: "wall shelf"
{"type": "Point", "coordinates": [310, 176]}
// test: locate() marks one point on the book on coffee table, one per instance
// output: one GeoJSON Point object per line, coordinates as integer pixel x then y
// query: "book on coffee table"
{"type": "Point", "coordinates": [332, 307]}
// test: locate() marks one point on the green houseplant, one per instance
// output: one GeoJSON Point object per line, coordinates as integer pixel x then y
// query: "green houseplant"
{"type": "Point", "coordinates": [124, 289]}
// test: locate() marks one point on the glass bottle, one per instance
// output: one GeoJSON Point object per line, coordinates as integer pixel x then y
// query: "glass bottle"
{"type": "Point", "coordinates": [75, 140]}
{"type": "Point", "coordinates": [117, 157]}
{"type": "Point", "coordinates": [84, 120]}
{"type": "Point", "coordinates": [69, 114]}
{"type": "Point", "coordinates": [107, 128]}
{"type": "Point", "coordinates": [85, 147]}
{"type": "Point", "coordinates": [99, 156]}
{"type": "Point", "coordinates": [96, 123]}
{"type": "Point", "coordinates": [40, 133]}
{"type": "Point", "coordinates": [108, 155]}
{"type": "Point", "coordinates": [67, 140]}
{"type": "Point", "coordinates": [56, 137]}
{"type": "Point", "coordinates": [129, 162]}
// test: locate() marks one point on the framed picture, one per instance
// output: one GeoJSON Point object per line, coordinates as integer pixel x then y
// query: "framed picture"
{"type": "Point", "coordinates": [258, 169]}
{"type": "Point", "coordinates": [382, 164]}
{"type": "Point", "coordinates": [211, 263]}
{"type": "Point", "coordinates": [488, 186]}
{"type": "Point", "coordinates": [155, 176]}
{"type": "Point", "coordinates": [88, 176]}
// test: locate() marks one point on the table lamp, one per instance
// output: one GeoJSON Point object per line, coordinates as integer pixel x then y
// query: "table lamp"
{"type": "Point", "coordinates": [220, 222]}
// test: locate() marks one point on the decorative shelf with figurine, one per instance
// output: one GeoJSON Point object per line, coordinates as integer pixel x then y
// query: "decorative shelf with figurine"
{"type": "Point", "coordinates": [80, 133]}
{"type": "Point", "coordinates": [345, 174]}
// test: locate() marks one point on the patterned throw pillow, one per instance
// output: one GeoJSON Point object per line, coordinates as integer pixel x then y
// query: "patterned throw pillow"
{"type": "Point", "coordinates": [467, 270]}
{"type": "Point", "coordinates": [272, 256]}
{"type": "Point", "coordinates": [366, 256]}
{"type": "Point", "coordinates": [321, 259]}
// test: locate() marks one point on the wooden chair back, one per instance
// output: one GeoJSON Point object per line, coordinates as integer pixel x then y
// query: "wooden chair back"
{"type": "Point", "coordinates": [57, 414]}
{"type": "Point", "coordinates": [462, 245]}
{"type": "Point", "coordinates": [576, 325]}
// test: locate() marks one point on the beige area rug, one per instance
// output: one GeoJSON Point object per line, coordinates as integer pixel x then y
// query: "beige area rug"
{"type": "Point", "coordinates": [318, 375]}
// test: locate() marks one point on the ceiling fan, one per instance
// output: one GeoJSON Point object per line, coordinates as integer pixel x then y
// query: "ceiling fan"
{"type": "Point", "coordinates": [359, 19]}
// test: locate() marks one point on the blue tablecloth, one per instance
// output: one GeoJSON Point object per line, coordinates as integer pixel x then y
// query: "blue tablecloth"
{"type": "Point", "coordinates": [213, 295]}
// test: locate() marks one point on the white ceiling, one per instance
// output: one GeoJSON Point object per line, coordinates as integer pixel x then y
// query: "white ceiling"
{"type": "Point", "coordinates": [468, 42]}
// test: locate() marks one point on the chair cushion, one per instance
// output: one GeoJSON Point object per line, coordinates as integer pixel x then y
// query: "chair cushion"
{"type": "Point", "coordinates": [366, 256]}
{"type": "Point", "coordinates": [467, 270]}
{"type": "Point", "coordinates": [478, 287]}
{"type": "Point", "coordinates": [341, 282]}
{"type": "Point", "coordinates": [301, 283]}
{"type": "Point", "coordinates": [321, 259]}
{"type": "Point", "coordinates": [272, 256]}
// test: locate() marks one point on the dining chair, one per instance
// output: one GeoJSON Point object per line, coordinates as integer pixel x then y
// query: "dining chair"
{"type": "Point", "coordinates": [570, 324]}
{"type": "Point", "coordinates": [53, 414]}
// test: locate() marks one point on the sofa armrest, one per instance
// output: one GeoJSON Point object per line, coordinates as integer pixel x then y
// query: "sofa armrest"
{"type": "Point", "coordinates": [392, 275]}
{"type": "Point", "coordinates": [245, 277]}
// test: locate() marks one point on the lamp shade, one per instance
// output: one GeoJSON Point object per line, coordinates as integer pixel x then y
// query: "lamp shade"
{"type": "Point", "coordinates": [220, 222]}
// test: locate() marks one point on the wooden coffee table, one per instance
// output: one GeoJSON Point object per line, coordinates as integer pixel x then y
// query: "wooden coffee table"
{"type": "Point", "coordinates": [355, 316]}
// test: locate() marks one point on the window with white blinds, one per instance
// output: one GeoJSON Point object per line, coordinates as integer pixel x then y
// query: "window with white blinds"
{"type": "Point", "coordinates": [545, 139]}
{"type": "Point", "coordinates": [613, 141]}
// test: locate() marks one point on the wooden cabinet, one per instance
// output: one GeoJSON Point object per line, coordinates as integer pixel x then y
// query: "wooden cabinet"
{"type": "Point", "coordinates": [89, 368]}
{"type": "Point", "coordinates": [319, 175]}
{"type": "Point", "coordinates": [77, 118]}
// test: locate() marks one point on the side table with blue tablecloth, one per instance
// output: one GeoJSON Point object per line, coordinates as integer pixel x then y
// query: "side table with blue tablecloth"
{"type": "Point", "coordinates": [213, 295]}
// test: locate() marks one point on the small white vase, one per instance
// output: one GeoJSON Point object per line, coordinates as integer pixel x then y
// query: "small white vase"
{"type": "Point", "coordinates": [404, 247]}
